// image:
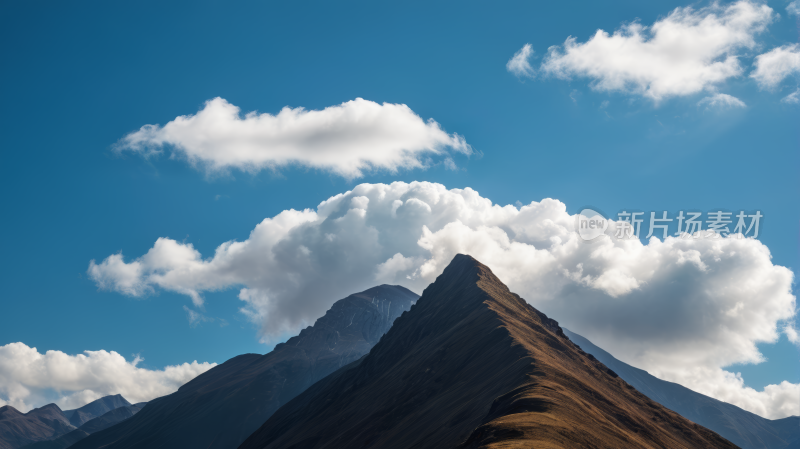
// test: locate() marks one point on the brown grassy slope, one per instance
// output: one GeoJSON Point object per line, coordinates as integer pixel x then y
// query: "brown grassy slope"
{"type": "Point", "coordinates": [472, 365]}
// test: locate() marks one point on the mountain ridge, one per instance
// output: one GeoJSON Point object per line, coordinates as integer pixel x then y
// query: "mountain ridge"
{"type": "Point", "coordinates": [95, 409]}
{"type": "Point", "coordinates": [102, 422]}
{"type": "Point", "coordinates": [745, 429]}
{"type": "Point", "coordinates": [472, 365]}
{"type": "Point", "coordinates": [18, 429]}
{"type": "Point", "coordinates": [223, 406]}
{"type": "Point", "coordinates": [49, 422]}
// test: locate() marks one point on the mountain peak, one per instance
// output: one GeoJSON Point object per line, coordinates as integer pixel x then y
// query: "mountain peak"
{"type": "Point", "coordinates": [472, 365]}
{"type": "Point", "coordinates": [467, 269]}
{"type": "Point", "coordinates": [465, 262]}
{"type": "Point", "coordinates": [47, 407]}
{"type": "Point", "coordinates": [8, 411]}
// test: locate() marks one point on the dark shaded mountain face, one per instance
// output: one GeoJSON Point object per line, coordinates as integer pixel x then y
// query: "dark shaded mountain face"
{"type": "Point", "coordinates": [18, 429]}
{"type": "Point", "coordinates": [793, 445]}
{"type": "Point", "coordinates": [472, 365]}
{"type": "Point", "coordinates": [95, 425]}
{"type": "Point", "coordinates": [745, 429]}
{"type": "Point", "coordinates": [223, 406]}
{"type": "Point", "coordinates": [94, 409]}
{"type": "Point", "coordinates": [50, 422]}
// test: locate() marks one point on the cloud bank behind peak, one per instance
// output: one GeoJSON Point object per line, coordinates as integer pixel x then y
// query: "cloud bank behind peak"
{"type": "Point", "coordinates": [681, 308]}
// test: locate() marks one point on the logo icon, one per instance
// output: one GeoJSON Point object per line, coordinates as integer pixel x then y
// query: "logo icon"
{"type": "Point", "coordinates": [590, 224]}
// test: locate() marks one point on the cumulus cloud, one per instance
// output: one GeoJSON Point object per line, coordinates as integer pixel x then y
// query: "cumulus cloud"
{"type": "Point", "coordinates": [689, 51]}
{"type": "Point", "coordinates": [774, 66]}
{"type": "Point", "coordinates": [30, 379]}
{"type": "Point", "coordinates": [681, 308]}
{"type": "Point", "coordinates": [519, 63]}
{"type": "Point", "coordinates": [346, 139]}
{"type": "Point", "coordinates": [722, 101]}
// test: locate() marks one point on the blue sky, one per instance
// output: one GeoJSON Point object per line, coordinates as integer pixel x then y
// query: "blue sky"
{"type": "Point", "coordinates": [78, 78]}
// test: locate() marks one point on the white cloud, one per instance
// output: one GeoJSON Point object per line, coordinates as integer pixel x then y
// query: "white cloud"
{"type": "Point", "coordinates": [30, 379]}
{"type": "Point", "coordinates": [681, 308]}
{"type": "Point", "coordinates": [687, 52]}
{"type": "Point", "coordinates": [722, 101]}
{"type": "Point", "coordinates": [774, 401]}
{"type": "Point", "coordinates": [792, 334]}
{"type": "Point", "coordinates": [346, 139]}
{"type": "Point", "coordinates": [194, 317]}
{"type": "Point", "coordinates": [792, 98]}
{"type": "Point", "coordinates": [777, 64]}
{"type": "Point", "coordinates": [123, 277]}
{"type": "Point", "coordinates": [793, 8]}
{"type": "Point", "coordinates": [519, 64]}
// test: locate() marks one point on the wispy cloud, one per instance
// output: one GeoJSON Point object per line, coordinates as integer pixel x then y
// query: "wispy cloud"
{"type": "Point", "coordinates": [721, 101]}
{"type": "Point", "coordinates": [794, 8]}
{"type": "Point", "coordinates": [194, 317]}
{"type": "Point", "coordinates": [776, 65]}
{"type": "Point", "coordinates": [792, 98]}
{"type": "Point", "coordinates": [519, 64]}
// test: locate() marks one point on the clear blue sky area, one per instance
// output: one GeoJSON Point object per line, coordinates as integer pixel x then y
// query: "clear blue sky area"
{"type": "Point", "coordinates": [77, 77]}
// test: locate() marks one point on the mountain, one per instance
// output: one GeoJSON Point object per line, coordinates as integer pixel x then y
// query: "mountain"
{"type": "Point", "coordinates": [18, 429]}
{"type": "Point", "coordinates": [222, 406]}
{"type": "Point", "coordinates": [793, 445]}
{"type": "Point", "coordinates": [50, 422]}
{"type": "Point", "coordinates": [113, 417]}
{"type": "Point", "coordinates": [745, 429]}
{"type": "Point", "coordinates": [95, 425]}
{"type": "Point", "coordinates": [472, 365]}
{"type": "Point", "coordinates": [94, 409]}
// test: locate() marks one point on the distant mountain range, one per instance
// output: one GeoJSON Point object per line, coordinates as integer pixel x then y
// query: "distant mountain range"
{"type": "Point", "coordinates": [95, 409]}
{"type": "Point", "coordinates": [223, 406]}
{"type": "Point", "coordinates": [18, 429]}
{"type": "Point", "coordinates": [472, 365]}
{"type": "Point", "coordinates": [49, 422]}
{"type": "Point", "coordinates": [745, 429]}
